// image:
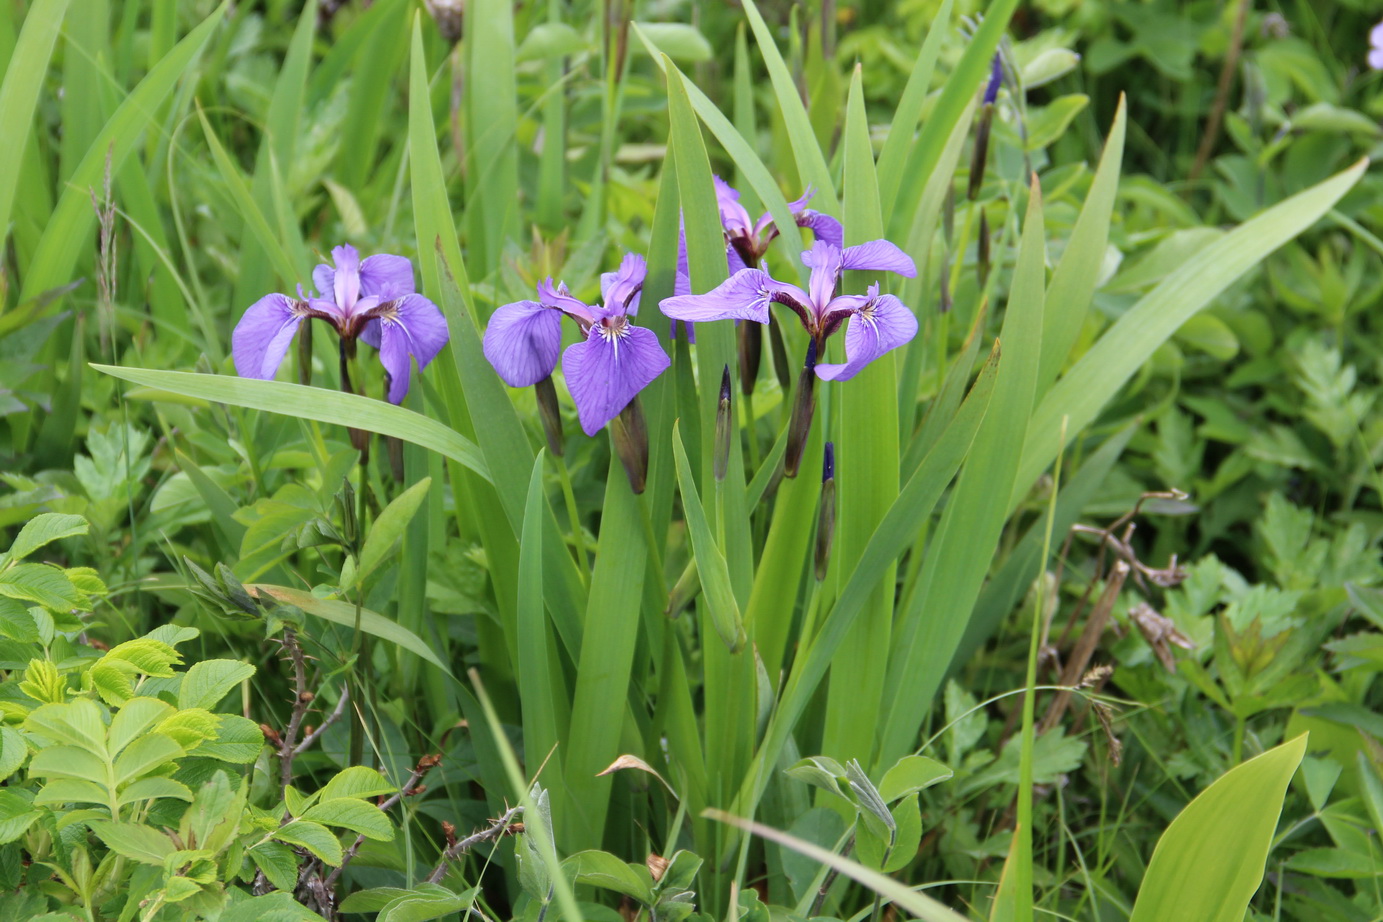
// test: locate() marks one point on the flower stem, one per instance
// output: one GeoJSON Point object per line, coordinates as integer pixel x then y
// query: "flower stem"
{"type": "Point", "coordinates": [578, 537]}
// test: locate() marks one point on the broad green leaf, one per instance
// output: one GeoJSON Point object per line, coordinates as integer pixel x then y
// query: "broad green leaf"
{"type": "Point", "coordinates": [36, 582]}
{"type": "Point", "coordinates": [358, 816]}
{"type": "Point", "coordinates": [344, 613]}
{"type": "Point", "coordinates": [41, 529]}
{"type": "Point", "coordinates": [313, 403]}
{"type": "Point", "coordinates": [1210, 861]}
{"type": "Point", "coordinates": [678, 40]}
{"type": "Point", "coordinates": [144, 755]}
{"type": "Point", "coordinates": [278, 863]}
{"type": "Point", "coordinates": [603, 869]}
{"type": "Point", "coordinates": [427, 902]}
{"type": "Point", "coordinates": [135, 719]}
{"type": "Point", "coordinates": [16, 816]}
{"type": "Point", "coordinates": [358, 781]}
{"type": "Point", "coordinates": [135, 841]}
{"type": "Point", "coordinates": [238, 741]}
{"type": "Point", "coordinates": [78, 723]}
{"type": "Point", "coordinates": [13, 752]}
{"type": "Point", "coordinates": [154, 788]}
{"type": "Point", "coordinates": [314, 837]}
{"type": "Point", "coordinates": [207, 682]}
{"type": "Point", "coordinates": [388, 528]}
{"type": "Point", "coordinates": [911, 774]}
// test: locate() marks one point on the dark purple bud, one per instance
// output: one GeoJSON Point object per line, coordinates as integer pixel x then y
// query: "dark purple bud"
{"type": "Point", "coordinates": [305, 354]}
{"type": "Point", "coordinates": [629, 431]}
{"type": "Point", "coordinates": [721, 459]}
{"type": "Point", "coordinates": [803, 408]}
{"type": "Point", "coordinates": [996, 78]}
{"type": "Point", "coordinates": [779, 350]}
{"type": "Point", "coordinates": [944, 298]}
{"type": "Point", "coordinates": [980, 155]}
{"type": "Point", "coordinates": [750, 341]}
{"type": "Point", "coordinates": [826, 517]}
{"type": "Point", "coordinates": [550, 414]}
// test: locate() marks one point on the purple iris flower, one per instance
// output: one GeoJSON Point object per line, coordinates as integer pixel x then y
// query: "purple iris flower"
{"type": "Point", "coordinates": [746, 241]}
{"type": "Point", "coordinates": [373, 300]}
{"type": "Point", "coordinates": [1376, 47]}
{"type": "Point", "coordinates": [607, 369]}
{"type": "Point", "coordinates": [877, 323]}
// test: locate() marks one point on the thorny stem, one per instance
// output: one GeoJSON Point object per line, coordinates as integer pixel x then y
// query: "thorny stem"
{"type": "Point", "coordinates": [289, 746]}
{"type": "Point", "coordinates": [497, 828]}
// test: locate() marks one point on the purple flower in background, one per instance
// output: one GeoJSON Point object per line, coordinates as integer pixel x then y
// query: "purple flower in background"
{"type": "Point", "coordinates": [1376, 47]}
{"type": "Point", "coordinates": [747, 241]}
{"type": "Point", "coordinates": [996, 77]}
{"type": "Point", "coordinates": [373, 300]}
{"type": "Point", "coordinates": [607, 369]}
{"type": "Point", "coordinates": [877, 323]}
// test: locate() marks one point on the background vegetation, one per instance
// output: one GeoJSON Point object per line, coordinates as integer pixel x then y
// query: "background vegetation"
{"type": "Point", "coordinates": [1130, 463]}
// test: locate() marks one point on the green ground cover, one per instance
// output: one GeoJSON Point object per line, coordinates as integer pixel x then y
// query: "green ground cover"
{"type": "Point", "coordinates": [992, 535]}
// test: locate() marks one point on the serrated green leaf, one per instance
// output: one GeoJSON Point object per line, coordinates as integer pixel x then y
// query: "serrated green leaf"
{"type": "Point", "coordinates": [16, 816]}
{"type": "Point", "coordinates": [36, 582]}
{"type": "Point", "coordinates": [42, 529]}
{"type": "Point", "coordinates": [314, 837]}
{"type": "Point", "coordinates": [134, 841]}
{"type": "Point", "coordinates": [603, 869]}
{"type": "Point", "coordinates": [207, 682]}
{"type": "Point", "coordinates": [358, 816]}
{"type": "Point", "coordinates": [389, 527]}
{"type": "Point", "coordinates": [357, 781]}
{"type": "Point", "coordinates": [278, 863]}
{"type": "Point", "coordinates": [238, 740]}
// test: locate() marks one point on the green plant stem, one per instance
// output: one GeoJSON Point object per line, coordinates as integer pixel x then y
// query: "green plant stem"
{"type": "Point", "coordinates": [578, 537]}
{"type": "Point", "coordinates": [655, 548]}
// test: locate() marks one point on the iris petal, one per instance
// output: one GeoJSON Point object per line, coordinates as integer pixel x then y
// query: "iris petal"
{"type": "Point", "coordinates": [620, 290]}
{"type": "Point", "coordinates": [743, 296]}
{"type": "Point", "coordinates": [261, 338]}
{"type": "Point", "coordinates": [879, 256]}
{"type": "Point", "coordinates": [523, 342]}
{"type": "Point", "coordinates": [346, 279]}
{"type": "Point", "coordinates": [884, 323]}
{"type": "Point", "coordinates": [387, 277]}
{"type": "Point", "coordinates": [605, 372]}
{"type": "Point", "coordinates": [414, 327]}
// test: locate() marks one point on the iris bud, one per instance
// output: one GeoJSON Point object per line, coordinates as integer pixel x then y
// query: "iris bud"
{"type": "Point", "coordinates": [826, 518]}
{"type": "Point", "coordinates": [803, 408]}
{"type": "Point", "coordinates": [550, 414]}
{"type": "Point", "coordinates": [721, 460]}
{"type": "Point", "coordinates": [629, 430]}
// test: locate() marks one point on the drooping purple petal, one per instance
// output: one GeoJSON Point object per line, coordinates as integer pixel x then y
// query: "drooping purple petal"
{"type": "Point", "coordinates": [733, 217]}
{"type": "Point", "coordinates": [620, 290]}
{"type": "Point", "coordinates": [387, 277]}
{"type": "Point", "coordinates": [879, 256]}
{"type": "Point", "coordinates": [606, 370]}
{"type": "Point", "coordinates": [412, 328]}
{"type": "Point", "coordinates": [824, 226]}
{"type": "Point", "coordinates": [346, 278]}
{"type": "Point", "coordinates": [1376, 57]}
{"type": "Point", "coordinates": [996, 77]}
{"type": "Point", "coordinates": [743, 296]}
{"type": "Point", "coordinates": [523, 342]}
{"type": "Point", "coordinates": [884, 323]}
{"type": "Point", "coordinates": [557, 296]}
{"type": "Point", "coordinates": [261, 338]}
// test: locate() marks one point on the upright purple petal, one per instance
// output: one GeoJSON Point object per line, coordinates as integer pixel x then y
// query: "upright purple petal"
{"type": "Point", "coordinates": [523, 342]}
{"type": "Point", "coordinates": [606, 370]}
{"type": "Point", "coordinates": [733, 217]}
{"type": "Point", "coordinates": [557, 296]}
{"type": "Point", "coordinates": [879, 256]}
{"type": "Point", "coordinates": [797, 206]}
{"type": "Point", "coordinates": [743, 296]}
{"type": "Point", "coordinates": [324, 278]}
{"type": "Point", "coordinates": [387, 277]}
{"type": "Point", "coordinates": [413, 328]}
{"type": "Point", "coordinates": [882, 324]}
{"type": "Point", "coordinates": [825, 262]}
{"type": "Point", "coordinates": [346, 278]}
{"type": "Point", "coordinates": [620, 290]}
{"type": "Point", "coordinates": [825, 227]}
{"type": "Point", "coordinates": [996, 77]}
{"type": "Point", "coordinates": [261, 338]}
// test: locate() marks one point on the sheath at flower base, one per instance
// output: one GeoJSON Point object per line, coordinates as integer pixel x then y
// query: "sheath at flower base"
{"type": "Point", "coordinates": [876, 323]}
{"type": "Point", "coordinates": [373, 300]}
{"type": "Point", "coordinates": [604, 372]}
